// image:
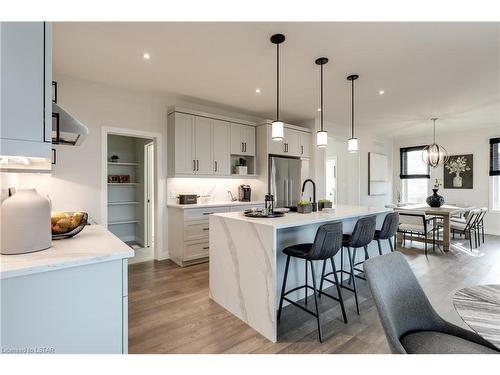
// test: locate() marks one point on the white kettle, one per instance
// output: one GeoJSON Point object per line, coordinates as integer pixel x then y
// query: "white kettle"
{"type": "Point", "coordinates": [25, 223]}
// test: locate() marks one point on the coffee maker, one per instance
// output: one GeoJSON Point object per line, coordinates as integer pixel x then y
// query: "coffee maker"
{"type": "Point", "coordinates": [244, 193]}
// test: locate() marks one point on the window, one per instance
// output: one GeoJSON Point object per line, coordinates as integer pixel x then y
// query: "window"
{"type": "Point", "coordinates": [415, 175]}
{"type": "Point", "coordinates": [495, 173]}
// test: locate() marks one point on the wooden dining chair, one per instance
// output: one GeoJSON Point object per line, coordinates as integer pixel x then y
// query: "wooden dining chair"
{"type": "Point", "coordinates": [417, 223]}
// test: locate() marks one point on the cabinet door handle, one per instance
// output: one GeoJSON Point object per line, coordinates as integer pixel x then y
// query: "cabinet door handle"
{"type": "Point", "coordinates": [206, 247]}
{"type": "Point", "coordinates": [194, 165]}
{"type": "Point", "coordinates": [197, 165]}
{"type": "Point", "coordinates": [302, 150]}
{"type": "Point", "coordinates": [215, 165]}
{"type": "Point", "coordinates": [242, 147]}
{"type": "Point", "coordinates": [206, 228]}
{"type": "Point", "coordinates": [207, 213]}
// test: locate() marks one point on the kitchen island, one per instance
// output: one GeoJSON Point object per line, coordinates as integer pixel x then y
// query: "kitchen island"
{"type": "Point", "coordinates": [247, 265]}
{"type": "Point", "coordinates": [70, 298]}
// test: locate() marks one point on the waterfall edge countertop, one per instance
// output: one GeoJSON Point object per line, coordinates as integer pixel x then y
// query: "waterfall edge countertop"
{"type": "Point", "coordinates": [293, 219]}
{"type": "Point", "coordinates": [94, 244]}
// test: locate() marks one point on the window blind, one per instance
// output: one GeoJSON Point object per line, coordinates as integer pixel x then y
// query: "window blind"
{"type": "Point", "coordinates": [411, 163]}
{"type": "Point", "coordinates": [495, 157]}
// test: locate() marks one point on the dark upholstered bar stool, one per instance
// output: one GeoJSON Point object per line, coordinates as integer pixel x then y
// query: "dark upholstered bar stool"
{"type": "Point", "coordinates": [327, 242]}
{"type": "Point", "coordinates": [388, 230]}
{"type": "Point", "coordinates": [361, 236]}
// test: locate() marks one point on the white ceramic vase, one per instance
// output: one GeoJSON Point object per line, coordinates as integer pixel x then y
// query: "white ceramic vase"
{"type": "Point", "coordinates": [25, 223]}
{"type": "Point", "coordinates": [457, 181]}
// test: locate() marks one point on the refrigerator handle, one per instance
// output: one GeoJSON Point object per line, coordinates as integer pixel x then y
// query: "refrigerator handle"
{"type": "Point", "coordinates": [285, 192]}
{"type": "Point", "coordinates": [290, 191]}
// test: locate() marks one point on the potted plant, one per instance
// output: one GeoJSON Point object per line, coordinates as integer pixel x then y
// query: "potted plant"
{"type": "Point", "coordinates": [304, 207]}
{"type": "Point", "coordinates": [324, 203]}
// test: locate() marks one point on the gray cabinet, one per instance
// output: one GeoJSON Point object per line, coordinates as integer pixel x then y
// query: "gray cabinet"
{"type": "Point", "coordinates": [26, 88]}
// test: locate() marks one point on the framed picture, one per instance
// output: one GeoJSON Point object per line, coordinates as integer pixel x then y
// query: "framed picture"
{"type": "Point", "coordinates": [54, 91]}
{"type": "Point", "coordinates": [458, 172]}
{"type": "Point", "coordinates": [378, 180]}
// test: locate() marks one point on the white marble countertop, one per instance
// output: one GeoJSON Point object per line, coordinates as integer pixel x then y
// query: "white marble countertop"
{"type": "Point", "coordinates": [94, 244]}
{"type": "Point", "coordinates": [293, 219]}
{"type": "Point", "coordinates": [214, 204]}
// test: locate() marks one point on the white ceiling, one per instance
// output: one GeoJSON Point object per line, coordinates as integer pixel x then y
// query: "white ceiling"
{"type": "Point", "coordinates": [448, 70]}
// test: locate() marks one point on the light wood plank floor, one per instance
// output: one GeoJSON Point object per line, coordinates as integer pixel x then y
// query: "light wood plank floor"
{"type": "Point", "coordinates": [170, 312]}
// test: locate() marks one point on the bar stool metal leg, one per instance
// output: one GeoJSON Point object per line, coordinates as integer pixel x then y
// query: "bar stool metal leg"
{"type": "Point", "coordinates": [351, 262]}
{"type": "Point", "coordinates": [322, 278]}
{"type": "Point", "coordinates": [391, 245]}
{"type": "Point", "coordinates": [335, 277]}
{"type": "Point", "coordinates": [379, 247]}
{"type": "Point", "coordinates": [284, 286]}
{"type": "Point", "coordinates": [305, 301]}
{"type": "Point", "coordinates": [315, 300]}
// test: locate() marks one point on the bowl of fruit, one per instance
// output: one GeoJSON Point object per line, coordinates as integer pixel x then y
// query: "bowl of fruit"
{"type": "Point", "coordinates": [67, 224]}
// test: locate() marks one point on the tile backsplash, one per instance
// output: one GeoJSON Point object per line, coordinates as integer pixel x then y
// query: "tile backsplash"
{"type": "Point", "coordinates": [212, 189]}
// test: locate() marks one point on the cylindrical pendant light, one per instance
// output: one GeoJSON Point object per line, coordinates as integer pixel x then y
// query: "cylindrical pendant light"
{"type": "Point", "coordinates": [321, 136]}
{"type": "Point", "coordinates": [353, 142]}
{"type": "Point", "coordinates": [434, 154]}
{"type": "Point", "coordinates": [277, 131]}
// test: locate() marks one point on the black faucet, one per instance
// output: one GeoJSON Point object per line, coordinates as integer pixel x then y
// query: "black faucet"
{"type": "Point", "coordinates": [314, 203]}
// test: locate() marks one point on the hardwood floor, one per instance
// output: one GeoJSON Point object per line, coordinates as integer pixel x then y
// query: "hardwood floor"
{"type": "Point", "coordinates": [170, 311]}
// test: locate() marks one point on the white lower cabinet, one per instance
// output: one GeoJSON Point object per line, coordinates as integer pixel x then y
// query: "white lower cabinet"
{"type": "Point", "coordinates": [189, 231]}
{"type": "Point", "coordinates": [81, 309]}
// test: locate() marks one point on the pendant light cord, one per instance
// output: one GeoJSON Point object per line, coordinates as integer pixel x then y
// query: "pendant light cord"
{"type": "Point", "coordinates": [352, 109]}
{"type": "Point", "coordinates": [277, 82]}
{"type": "Point", "coordinates": [434, 131]}
{"type": "Point", "coordinates": [321, 97]}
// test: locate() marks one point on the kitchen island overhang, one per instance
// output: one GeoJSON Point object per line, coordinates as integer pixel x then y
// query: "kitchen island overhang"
{"type": "Point", "coordinates": [247, 264]}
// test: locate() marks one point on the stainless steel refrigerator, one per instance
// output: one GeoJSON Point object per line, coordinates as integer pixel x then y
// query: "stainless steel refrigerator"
{"type": "Point", "coordinates": [285, 180]}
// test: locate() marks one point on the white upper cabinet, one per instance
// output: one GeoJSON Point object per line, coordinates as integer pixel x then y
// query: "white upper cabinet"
{"type": "Point", "coordinates": [200, 145]}
{"type": "Point", "coordinates": [296, 143]}
{"type": "Point", "coordinates": [26, 88]}
{"type": "Point", "coordinates": [305, 140]}
{"type": "Point", "coordinates": [221, 148]}
{"type": "Point", "coordinates": [203, 145]}
{"type": "Point", "coordinates": [182, 131]}
{"type": "Point", "coordinates": [242, 139]}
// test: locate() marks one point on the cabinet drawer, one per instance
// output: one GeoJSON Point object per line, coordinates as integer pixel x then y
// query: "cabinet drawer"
{"type": "Point", "coordinates": [195, 251]}
{"type": "Point", "coordinates": [196, 231]}
{"type": "Point", "coordinates": [202, 213]}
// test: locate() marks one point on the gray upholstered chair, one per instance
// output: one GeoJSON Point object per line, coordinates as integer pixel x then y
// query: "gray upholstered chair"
{"type": "Point", "coordinates": [410, 322]}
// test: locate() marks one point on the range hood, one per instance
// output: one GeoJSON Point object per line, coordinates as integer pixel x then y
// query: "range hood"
{"type": "Point", "coordinates": [66, 130]}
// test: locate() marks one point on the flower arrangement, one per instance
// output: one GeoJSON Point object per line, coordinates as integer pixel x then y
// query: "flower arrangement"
{"type": "Point", "coordinates": [304, 207]}
{"type": "Point", "coordinates": [324, 203]}
{"type": "Point", "coordinates": [437, 183]}
{"type": "Point", "coordinates": [457, 166]}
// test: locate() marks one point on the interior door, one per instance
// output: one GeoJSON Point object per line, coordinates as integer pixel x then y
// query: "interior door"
{"type": "Point", "coordinates": [184, 144]}
{"type": "Point", "coordinates": [221, 148]}
{"type": "Point", "coordinates": [203, 145]}
{"type": "Point", "coordinates": [149, 194]}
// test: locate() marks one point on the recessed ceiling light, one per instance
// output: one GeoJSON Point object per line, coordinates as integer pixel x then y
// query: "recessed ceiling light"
{"type": "Point", "coordinates": [381, 92]}
{"type": "Point", "coordinates": [146, 56]}
{"type": "Point", "coordinates": [257, 91]}
{"type": "Point", "coordinates": [319, 110]}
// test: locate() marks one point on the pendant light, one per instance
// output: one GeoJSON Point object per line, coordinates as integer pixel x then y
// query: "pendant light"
{"type": "Point", "coordinates": [321, 136]}
{"type": "Point", "coordinates": [434, 154]}
{"type": "Point", "coordinates": [277, 132]}
{"type": "Point", "coordinates": [352, 143]}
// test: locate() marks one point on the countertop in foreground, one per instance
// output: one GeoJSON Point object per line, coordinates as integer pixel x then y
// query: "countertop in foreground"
{"type": "Point", "coordinates": [293, 219]}
{"type": "Point", "coordinates": [94, 244]}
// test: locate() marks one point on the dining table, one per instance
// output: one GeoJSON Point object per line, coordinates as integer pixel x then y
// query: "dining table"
{"type": "Point", "coordinates": [479, 308]}
{"type": "Point", "coordinates": [445, 212]}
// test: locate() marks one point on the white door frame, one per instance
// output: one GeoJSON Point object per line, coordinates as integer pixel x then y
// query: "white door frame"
{"type": "Point", "coordinates": [335, 159]}
{"type": "Point", "coordinates": [160, 188]}
{"type": "Point", "coordinates": [149, 234]}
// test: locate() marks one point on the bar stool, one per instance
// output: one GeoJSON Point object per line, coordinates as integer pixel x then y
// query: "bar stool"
{"type": "Point", "coordinates": [327, 242]}
{"type": "Point", "coordinates": [361, 236]}
{"type": "Point", "coordinates": [388, 230]}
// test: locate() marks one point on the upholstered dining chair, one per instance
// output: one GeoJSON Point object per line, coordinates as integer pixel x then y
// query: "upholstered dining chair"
{"type": "Point", "coordinates": [411, 324]}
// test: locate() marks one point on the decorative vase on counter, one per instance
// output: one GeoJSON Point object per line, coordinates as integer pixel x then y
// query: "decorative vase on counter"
{"type": "Point", "coordinates": [435, 200]}
{"type": "Point", "coordinates": [25, 223]}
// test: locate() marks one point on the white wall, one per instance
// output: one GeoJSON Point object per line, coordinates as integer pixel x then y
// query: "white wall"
{"type": "Point", "coordinates": [75, 183]}
{"type": "Point", "coordinates": [471, 142]}
{"type": "Point", "coordinates": [352, 171]}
